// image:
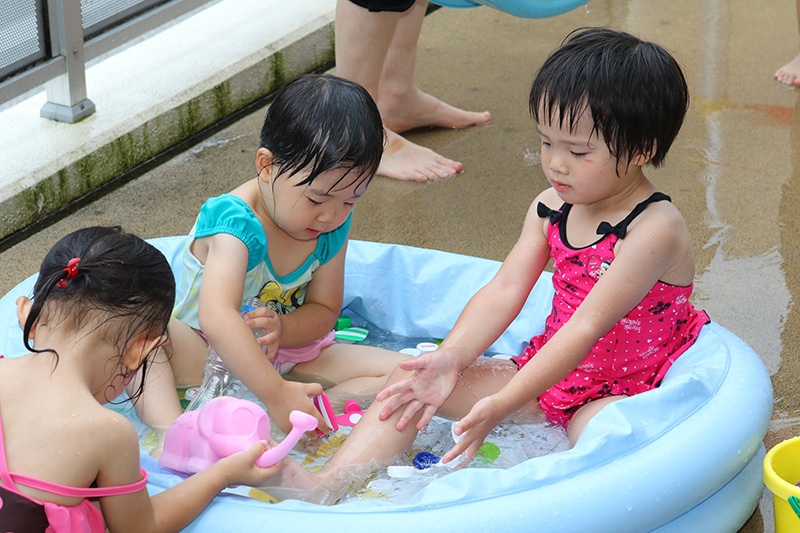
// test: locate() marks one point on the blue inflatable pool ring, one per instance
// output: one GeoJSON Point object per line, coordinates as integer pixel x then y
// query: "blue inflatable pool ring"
{"type": "Point", "coordinates": [686, 456]}
{"type": "Point", "coordinates": [531, 9]}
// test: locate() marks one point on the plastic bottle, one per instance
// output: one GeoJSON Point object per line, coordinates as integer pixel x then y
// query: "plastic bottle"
{"type": "Point", "coordinates": [217, 379]}
{"type": "Point", "coordinates": [248, 306]}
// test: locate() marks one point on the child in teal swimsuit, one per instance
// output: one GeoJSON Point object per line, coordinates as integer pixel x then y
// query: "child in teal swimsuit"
{"type": "Point", "coordinates": [100, 308]}
{"type": "Point", "coordinates": [281, 237]}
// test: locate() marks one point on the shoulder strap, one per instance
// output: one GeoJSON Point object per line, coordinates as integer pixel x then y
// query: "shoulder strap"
{"type": "Point", "coordinates": [74, 492]}
{"type": "Point", "coordinates": [621, 229]}
{"type": "Point", "coordinates": [9, 480]}
{"type": "Point", "coordinates": [4, 474]}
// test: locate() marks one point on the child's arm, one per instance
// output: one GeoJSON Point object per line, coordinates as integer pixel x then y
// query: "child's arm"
{"type": "Point", "coordinates": [486, 316]}
{"type": "Point", "coordinates": [657, 246]}
{"type": "Point", "coordinates": [176, 507]}
{"type": "Point", "coordinates": [220, 300]}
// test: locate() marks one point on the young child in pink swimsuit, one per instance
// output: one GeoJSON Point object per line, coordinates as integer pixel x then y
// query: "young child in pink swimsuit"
{"type": "Point", "coordinates": [605, 103]}
{"type": "Point", "coordinates": [100, 308]}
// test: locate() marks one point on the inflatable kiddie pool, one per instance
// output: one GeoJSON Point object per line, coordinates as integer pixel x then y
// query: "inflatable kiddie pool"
{"type": "Point", "coordinates": [684, 457]}
{"type": "Point", "coordinates": [532, 9]}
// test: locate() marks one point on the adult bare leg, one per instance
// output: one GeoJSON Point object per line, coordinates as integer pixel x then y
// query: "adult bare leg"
{"type": "Point", "coordinates": [363, 40]}
{"type": "Point", "coordinates": [403, 105]}
{"type": "Point", "coordinates": [790, 72]}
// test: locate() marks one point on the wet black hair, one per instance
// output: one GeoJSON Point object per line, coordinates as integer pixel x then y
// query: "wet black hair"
{"type": "Point", "coordinates": [322, 122]}
{"type": "Point", "coordinates": [121, 281]}
{"type": "Point", "coordinates": [635, 90]}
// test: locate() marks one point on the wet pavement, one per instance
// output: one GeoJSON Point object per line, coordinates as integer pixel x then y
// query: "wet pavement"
{"type": "Point", "coordinates": [734, 170]}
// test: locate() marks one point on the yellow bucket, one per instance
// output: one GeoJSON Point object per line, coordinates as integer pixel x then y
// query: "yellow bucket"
{"type": "Point", "coordinates": [781, 473]}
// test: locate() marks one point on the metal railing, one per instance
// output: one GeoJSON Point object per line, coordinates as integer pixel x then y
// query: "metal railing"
{"type": "Point", "coordinates": [48, 43]}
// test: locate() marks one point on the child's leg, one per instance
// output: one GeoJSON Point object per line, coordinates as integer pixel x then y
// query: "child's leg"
{"type": "Point", "coordinates": [402, 104]}
{"type": "Point", "coordinates": [790, 72]}
{"type": "Point", "coordinates": [374, 442]}
{"type": "Point", "coordinates": [362, 44]}
{"type": "Point", "coordinates": [586, 413]}
{"type": "Point", "coordinates": [179, 363]}
{"type": "Point", "coordinates": [348, 372]}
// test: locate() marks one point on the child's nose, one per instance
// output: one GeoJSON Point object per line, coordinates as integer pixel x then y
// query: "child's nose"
{"type": "Point", "coordinates": [557, 164]}
{"type": "Point", "coordinates": [327, 215]}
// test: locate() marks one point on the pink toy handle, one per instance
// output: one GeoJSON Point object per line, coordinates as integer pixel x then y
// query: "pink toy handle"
{"type": "Point", "coordinates": [323, 405]}
{"type": "Point", "coordinates": [301, 422]}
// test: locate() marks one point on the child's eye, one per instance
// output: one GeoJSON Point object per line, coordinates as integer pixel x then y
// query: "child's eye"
{"type": "Point", "coordinates": [545, 143]}
{"type": "Point", "coordinates": [313, 202]}
{"type": "Point", "coordinates": [350, 205]}
{"type": "Point", "coordinates": [578, 154]}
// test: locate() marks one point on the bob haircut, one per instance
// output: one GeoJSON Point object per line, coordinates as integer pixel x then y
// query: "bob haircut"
{"type": "Point", "coordinates": [322, 122]}
{"type": "Point", "coordinates": [635, 91]}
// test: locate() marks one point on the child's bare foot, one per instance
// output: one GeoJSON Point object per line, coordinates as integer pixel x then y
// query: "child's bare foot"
{"type": "Point", "coordinates": [418, 109]}
{"type": "Point", "coordinates": [296, 483]}
{"type": "Point", "coordinates": [404, 160]}
{"type": "Point", "coordinates": [790, 72]}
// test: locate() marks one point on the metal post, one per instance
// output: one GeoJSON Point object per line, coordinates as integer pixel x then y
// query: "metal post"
{"type": "Point", "coordinates": [66, 95]}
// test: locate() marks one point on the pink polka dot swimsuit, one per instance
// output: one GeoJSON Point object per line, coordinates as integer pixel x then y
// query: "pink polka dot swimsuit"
{"type": "Point", "coordinates": [636, 353]}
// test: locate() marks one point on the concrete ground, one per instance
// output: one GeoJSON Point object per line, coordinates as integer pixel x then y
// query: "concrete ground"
{"type": "Point", "coordinates": [731, 172]}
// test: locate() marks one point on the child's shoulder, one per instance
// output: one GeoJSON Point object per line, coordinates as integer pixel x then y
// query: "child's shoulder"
{"type": "Point", "coordinates": [111, 430]}
{"type": "Point", "coordinates": [662, 213]}
{"type": "Point", "coordinates": [548, 197]}
{"type": "Point", "coordinates": [660, 224]}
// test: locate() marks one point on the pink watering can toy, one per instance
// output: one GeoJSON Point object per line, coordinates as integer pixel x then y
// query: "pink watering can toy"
{"type": "Point", "coordinates": [222, 427]}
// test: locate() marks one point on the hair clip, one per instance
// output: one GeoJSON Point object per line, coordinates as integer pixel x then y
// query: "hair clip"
{"type": "Point", "coordinates": [71, 272]}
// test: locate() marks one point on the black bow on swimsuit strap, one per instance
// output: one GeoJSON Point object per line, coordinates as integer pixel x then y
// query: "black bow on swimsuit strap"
{"type": "Point", "coordinates": [545, 212]}
{"type": "Point", "coordinates": [604, 228]}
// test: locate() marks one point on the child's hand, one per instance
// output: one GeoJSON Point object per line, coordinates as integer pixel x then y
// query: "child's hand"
{"type": "Point", "coordinates": [241, 468]}
{"type": "Point", "coordinates": [473, 429]}
{"type": "Point", "coordinates": [295, 396]}
{"type": "Point", "coordinates": [434, 378]}
{"type": "Point", "coordinates": [267, 320]}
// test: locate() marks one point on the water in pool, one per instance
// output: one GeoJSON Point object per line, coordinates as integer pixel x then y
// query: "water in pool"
{"type": "Point", "coordinates": [508, 445]}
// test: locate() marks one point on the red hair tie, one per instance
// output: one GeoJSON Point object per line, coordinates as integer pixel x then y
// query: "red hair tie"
{"type": "Point", "coordinates": [71, 273]}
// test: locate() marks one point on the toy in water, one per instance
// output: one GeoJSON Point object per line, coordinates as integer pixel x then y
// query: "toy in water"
{"type": "Point", "coordinates": [422, 461]}
{"type": "Point", "coordinates": [422, 347]}
{"type": "Point", "coordinates": [353, 334]}
{"type": "Point", "coordinates": [425, 347]}
{"type": "Point", "coordinates": [533, 9]}
{"type": "Point", "coordinates": [323, 405]}
{"type": "Point", "coordinates": [352, 414]}
{"type": "Point", "coordinates": [222, 427]}
{"type": "Point", "coordinates": [350, 417]}
{"type": "Point", "coordinates": [343, 322]}
{"type": "Point", "coordinates": [345, 331]}
{"type": "Point", "coordinates": [425, 460]}
{"type": "Point", "coordinates": [217, 379]}
{"type": "Point", "coordinates": [489, 452]}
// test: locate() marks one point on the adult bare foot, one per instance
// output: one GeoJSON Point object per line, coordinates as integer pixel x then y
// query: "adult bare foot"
{"type": "Point", "coordinates": [417, 109]}
{"type": "Point", "coordinates": [404, 160]}
{"type": "Point", "coordinates": [790, 72]}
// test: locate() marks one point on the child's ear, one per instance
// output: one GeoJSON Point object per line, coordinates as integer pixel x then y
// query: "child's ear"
{"type": "Point", "coordinates": [264, 160]}
{"type": "Point", "coordinates": [23, 310]}
{"type": "Point", "coordinates": [140, 348]}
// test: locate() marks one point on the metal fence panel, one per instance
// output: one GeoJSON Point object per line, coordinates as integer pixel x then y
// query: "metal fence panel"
{"type": "Point", "coordinates": [22, 35]}
{"type": "Point", "coordinates": [101, 15]}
